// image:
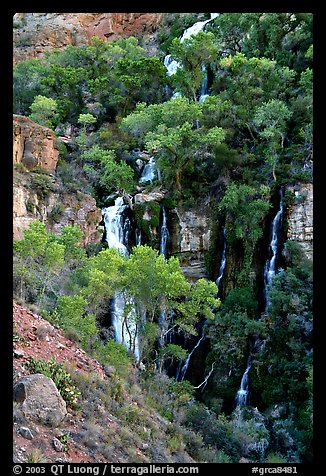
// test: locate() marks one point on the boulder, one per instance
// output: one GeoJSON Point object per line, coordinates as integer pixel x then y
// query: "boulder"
{"type": "Point", "coordinates": [40, 400]}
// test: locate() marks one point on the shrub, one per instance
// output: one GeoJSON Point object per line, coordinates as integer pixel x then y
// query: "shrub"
{"type": "Point", "coordinates": [55, 213]}
{"type": "Point", "coordinates": [42, 184]}
{"type": "Point", "coordinates": [60, 377]}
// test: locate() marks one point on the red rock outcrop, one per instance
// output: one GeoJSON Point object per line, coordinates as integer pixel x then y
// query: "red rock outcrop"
{"type": "Point", "coordinates": [36, 32]}
{"type": "Point", "coordinates": [34, 145]}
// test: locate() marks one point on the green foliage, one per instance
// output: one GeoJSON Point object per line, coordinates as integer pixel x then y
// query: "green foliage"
{"type": "Point", "coordinates": [86, 119]}
{"type": "Point", "coordinates": [44, 111]}
{"type": "Point", "coordinates": [110, 173]}
{"type": "Point", "coordinates": [38, 260]}
{"type": "Point", "coordinates": [151, 210]}
{"type": "Point", "coordinates": [43, 185]}
{"type": "Point", "coordinates": [216, 431]}
{"type": "Point", "coordinates": [72, 315]}
{"type": "Point", "coordinates": [64, 439]}
{"type": "Point", "coordinates": [173, 132]}
{"type": "Point", "coordinates": [114, 75]}
{"type": "Point", "coordinates": [174, 351]}
{"type": "Point", "coordinates": [193, 53]}
{"type": "Point", "coordinates": [282, 370]}
{"type": "Point", "coordinates": [61, 378]}
{"type": "Point", "coordinates": [245, 209]}
{"type": "Point", "coordinates": [55, 213]}
{"type": "Point", "coordinates": [241, 299]}
{"type": "Point", "coordinates": [116, 355]}
{"type": "Point", "coordinates": [71, 237]}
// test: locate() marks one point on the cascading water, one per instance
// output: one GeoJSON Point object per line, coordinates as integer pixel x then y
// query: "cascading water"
{"type": "Point", "coordinates": [164, 234]}
{"type": "Point", "coordinates": [243, 392]}
{"type": "Point", "coordinates": [149, 172]}
{"type": "Point", "coordinates": [269, 273]}
{"type": "Point", "coordinates": [204, 86]}
{"type": "Point", "coordinates": [223, 260]}
{"type": "Point", "coordinates": [113, 219]}
{"type": "Point", "coordinates": [138, 236]}
{"type": "Point", "coordinates": [173, 65]}
{"type": "Point", "coordinates": [270, 266]}
{"type": "Point", "coordinates": [186, 364]}
{"type": "Point", "coordinates": [125, 329]}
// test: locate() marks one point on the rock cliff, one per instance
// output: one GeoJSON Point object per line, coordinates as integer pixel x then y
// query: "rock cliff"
{"type": "Point", "coordinates": [300, 219]}
{"type": "Point", "coordinates": [191, 239]}
{"type": "Point", "coordinates": [53, 206]}
{"type": "Point", "coordinates": [36, 32]}
{"type": "Point", "coordinates": [38, 194]}
{"type": "Point", "coordinates": [34, 145]}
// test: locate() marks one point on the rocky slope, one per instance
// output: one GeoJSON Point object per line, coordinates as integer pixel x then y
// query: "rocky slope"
{"type": "Point", "coordinates": [105, 426]}
{"type": "Point", "coordinates": [35, 33]}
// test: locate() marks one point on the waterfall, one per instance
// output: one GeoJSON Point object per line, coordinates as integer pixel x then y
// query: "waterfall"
{"type": "Point", "coordinates": [204, 86]}
{"type": "Point", "coordinates": [172, 65]}
{"type": "Point", "coordinates": [185, 367]}
{"type": "Point", "coordinates": [164, 234]}
{"type": "Point", "coordinates": [117, 232]}
{"type": "Point", "coordinates": [223, 261]}
{"type": "Point", "coordinates": [269, 273]}
{"type": "Point", "coordinates": [113, 219]}
{"type": "Point", "coordinates": [149, 172]}
{"type": "Point", "coordinates": [270, 266]}
{"type": "Point", "coordinates": [243, 392]}
{"type": "Point", "coordinates": [138, 236]}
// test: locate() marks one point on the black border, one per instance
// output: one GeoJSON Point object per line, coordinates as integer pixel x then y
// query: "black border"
{"type": "Point", "coordinates": [6, 347]}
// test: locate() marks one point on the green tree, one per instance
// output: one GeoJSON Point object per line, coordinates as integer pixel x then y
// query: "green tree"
{"type": "Point", "coordinates": [71, 311]}
{"type": "Point", "coordinates": [86, 120]}
{"type": "Point", "coordinates": [173, 132]}
{"type": "Point", "coordinates": [44, 111]}
{"type": "Point", "coordinates": [271, 118]}
{"type": "Point", "coordinates": [37, 259]}
{"type": "Point", "coordinates": [71, 237]}
{"type": "Point", "coordinates": [103, 276]}
{"type": "Point", "coordinates": [193, 54]}
{"type": "Point", "coordinates": [112, 174]}
{"type": "Point", "coordinates": [162, 290]}
{"type": "Point", "coordinates": [248, 83]}
{"type": "Point", "coordinates": [244, 208]}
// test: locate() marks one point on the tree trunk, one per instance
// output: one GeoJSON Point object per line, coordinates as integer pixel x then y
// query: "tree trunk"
{"type": "Point", "coordinates": [178, 180]}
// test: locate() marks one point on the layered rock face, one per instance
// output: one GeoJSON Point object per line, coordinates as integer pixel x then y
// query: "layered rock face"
{"type": "Point", "coordinates": [191, 239]}
{"type": "Point", "coordinates": [34, 145]}
{"type": "Point", "coordinates": [36, 32]}
{"type": "Point", "coordinates": [300, 219]}
{"type": "Point", "coordinates": [39, 196]}
{"type": "Point", "coordinates": [57, 209]}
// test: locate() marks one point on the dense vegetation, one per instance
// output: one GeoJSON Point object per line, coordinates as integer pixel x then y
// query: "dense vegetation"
{"type": "Point", "coordinates": [251, 136]}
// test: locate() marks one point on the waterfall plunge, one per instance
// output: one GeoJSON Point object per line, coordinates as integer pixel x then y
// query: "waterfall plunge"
{"type": "Point", "coordinates": [149, 172]}
{"type": "Point", "coordinates": [185, 367]}
{"type": "Point", "coordinates": [269, 273]}
{"type": "Point", "coordinates": [223, 260]}
{"type": "Point", "coordinates": [172, 65]}
{"type": "Point", "coordinates": [270, 266]}
{"type": "Point", "coordinates": [125, 329]}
